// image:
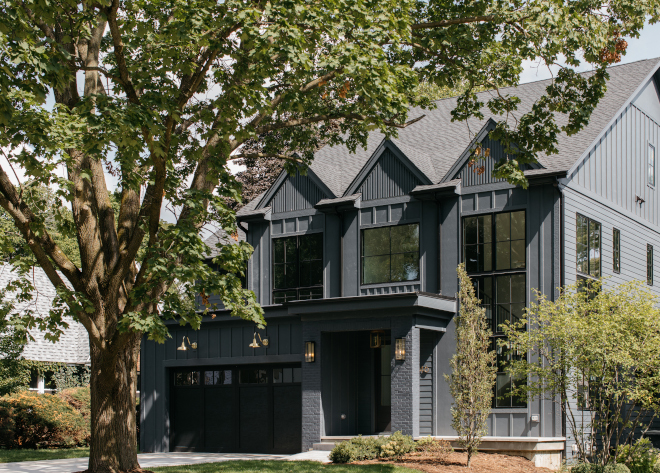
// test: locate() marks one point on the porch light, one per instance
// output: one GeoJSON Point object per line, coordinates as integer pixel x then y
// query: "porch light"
{"type": "Point", "coordinates": [375, 339]}
{"type": "Point", "coordinates": [183, 346]}
{"type": "Point", "coordinates": [309, 352]}
{"type": "Point", "coordinates": [400, 349]}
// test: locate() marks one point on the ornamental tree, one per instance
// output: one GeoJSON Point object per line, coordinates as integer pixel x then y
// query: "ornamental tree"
{"type": "Point", "coordinates": [595, 351]}
{"type": "Point", "coordinates": [473, 369]}
{"type": "Point", "coordinates": [159, 95]}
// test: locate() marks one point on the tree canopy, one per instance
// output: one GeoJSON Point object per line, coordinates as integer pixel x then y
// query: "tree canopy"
{"type": "Point", "coordinates": [159, 95]}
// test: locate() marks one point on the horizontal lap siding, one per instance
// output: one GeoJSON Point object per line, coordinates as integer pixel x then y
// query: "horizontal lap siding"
{"type": "Point", "coordinates": [428, 341]}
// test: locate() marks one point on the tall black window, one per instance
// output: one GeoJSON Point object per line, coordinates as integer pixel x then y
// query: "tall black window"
{"type": "Point", "coordinates": [651, 165]}
{"type": "Point", "coordinates": [588, 240]}
{"type": "Point", "coordinates": [616, 250]}
{"type": "Point", "coordinates": [390, 254]}
{"type": "Point", "coordinates": [496, 244]}
{"type": "Point", "coordinates": [649, 265]}
{"type": "Point", "coordinates": [298, 268]}
{"type": "Point", "coordinates": [508, 245]}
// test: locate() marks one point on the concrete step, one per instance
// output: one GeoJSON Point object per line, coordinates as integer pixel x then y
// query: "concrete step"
{"type": "Point", "coordinates": [324, 446]}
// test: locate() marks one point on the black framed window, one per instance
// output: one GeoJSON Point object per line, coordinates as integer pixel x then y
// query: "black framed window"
{"type": "Point", "coordinates": [390, 254]}
{"type": "Point", "coordinates": [651, 165]}
{"type": "Point", "coordinates": [616, 250]}
{"type": "Point", "coordinates": [187, 378]}
{"type": "Point", "coordinates": [649, 265]}
{"type": "Point", "coordinates": [298, 268]}
{"type": "Point", "coordinates": [588, 246]}
{"type": "Point", "coordinates": [496, 244]}
{"type": "Point", "coordinates": [501, 235]}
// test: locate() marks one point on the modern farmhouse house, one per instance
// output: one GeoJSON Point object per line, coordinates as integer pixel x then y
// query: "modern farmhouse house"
{"type": "Point", "coordinates": [355, 266]}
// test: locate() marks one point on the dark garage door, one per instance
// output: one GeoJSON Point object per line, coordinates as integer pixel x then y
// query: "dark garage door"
{"type": "Point", "coordinates": [236, 409]}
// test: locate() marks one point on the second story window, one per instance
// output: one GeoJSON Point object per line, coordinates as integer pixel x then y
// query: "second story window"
{"type": "Point", "coordinates": [390, 254]}
{"type": "Point", "coordinates": [651, 165]}
{"type": "Point", "coordinates": [616, 250]}
{"type": "Point", "coordinates": [649, 265]}
{"type": "Point", "coordinates": [298, 268]}
{"type": "Point", "coordinates": [588, 240]}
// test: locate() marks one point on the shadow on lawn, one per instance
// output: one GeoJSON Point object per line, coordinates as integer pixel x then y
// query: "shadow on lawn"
{"type": "Point", "coordinates": [259, 466]}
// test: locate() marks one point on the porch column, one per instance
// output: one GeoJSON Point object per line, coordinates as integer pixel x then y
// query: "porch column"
{"type": "Point", "coordinates": [405, 379]}
{"type": "Point", "coordinates": [312, 414]}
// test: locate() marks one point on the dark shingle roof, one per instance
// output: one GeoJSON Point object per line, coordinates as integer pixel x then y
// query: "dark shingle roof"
{"type": "Point", "coordinates": [434, 143]}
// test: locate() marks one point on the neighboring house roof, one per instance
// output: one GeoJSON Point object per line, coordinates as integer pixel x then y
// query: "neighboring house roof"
{"type": "Point", "coordinates": [73, 345]}
{"type": "Point", "coordinates": [434, 143]}
{"type": "Point", "coordinates": [221, 236]}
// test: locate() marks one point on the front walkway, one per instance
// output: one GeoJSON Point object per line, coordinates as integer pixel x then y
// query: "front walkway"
{"type": "Point", "coordinates": [147, 460]}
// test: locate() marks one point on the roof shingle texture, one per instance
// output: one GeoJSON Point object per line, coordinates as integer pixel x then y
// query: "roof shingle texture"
{"type": "Point", "coordinates": [434, 143]}
{"type": "Point", "coordinates": [73, 345]}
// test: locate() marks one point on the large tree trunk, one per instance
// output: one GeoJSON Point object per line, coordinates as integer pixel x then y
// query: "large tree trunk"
{"type": "Point", "coordinates": [113, 386]}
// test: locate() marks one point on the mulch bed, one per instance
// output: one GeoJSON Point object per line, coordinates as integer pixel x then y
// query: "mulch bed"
{"type": "Point", "coordinates": [456, 463]}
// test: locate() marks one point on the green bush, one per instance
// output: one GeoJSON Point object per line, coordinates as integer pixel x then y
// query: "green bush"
{"type": "Point", "coordinates": [640, 457]}
{"type": "Point", "coordinates": [31, 420]}
{"type": "Point", "coordinates": [591, 468]}
{"type": "Point", "coordinates": [356, 449]}
{"type": "Point", "coordinates": [397, 445]}
{"type": "Point", "coordinates": [370, 448]}
{"type": "Point", "coordinates": [78, 398]}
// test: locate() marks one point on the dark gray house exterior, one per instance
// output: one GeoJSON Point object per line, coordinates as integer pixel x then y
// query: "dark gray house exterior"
{"type": "Point", "coordinates": [355, 266]}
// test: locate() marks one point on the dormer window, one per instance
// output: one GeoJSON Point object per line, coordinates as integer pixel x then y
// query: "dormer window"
{"type": "Point", "coordinates": [298, 268]}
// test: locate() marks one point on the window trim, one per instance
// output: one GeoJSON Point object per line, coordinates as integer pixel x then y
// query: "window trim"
{"type": "Point", "coordinates": [600, 239]}
{"type": "Point", "coordinates": [297, 236]}
{"type": "Point", "coordinates": [616, 250]}
{"type": "Point", "coordinates": [649, 264]}
{"type": "Point", "coordinates": [648, 165]}
{"type": "Point", "coordinates": [390, 283]}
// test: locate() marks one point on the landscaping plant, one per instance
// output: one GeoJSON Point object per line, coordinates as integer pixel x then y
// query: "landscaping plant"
{"type": "Point", "coordinates": [472, 378]}
{"type": "Point", "coordinates": [595, 351]}
{"type": "Point", "coordinates": [153, 98]}
{"type": "Point", "coordinates": [640, 457]}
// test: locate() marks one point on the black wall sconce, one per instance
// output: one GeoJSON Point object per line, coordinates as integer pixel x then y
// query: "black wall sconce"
{"type": "Point", "coordinates": [400, 349]}
{"type": "Point", "coordinates": [183, 346]}
{"type": "Point", "coordinates": [309, 352]}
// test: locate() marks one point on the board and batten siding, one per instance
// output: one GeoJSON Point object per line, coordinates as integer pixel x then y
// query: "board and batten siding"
{"type": "Point", "coordinates": [390, 177]}
{"type": "Point", "coordinates": [297, 192]}
{"type": "Point", "coordinates": [616, 168]}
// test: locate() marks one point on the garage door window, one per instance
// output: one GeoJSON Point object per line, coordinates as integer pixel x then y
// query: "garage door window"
{"type": "Point", "coordinates": [217, 377]}
{"type": "Point", "coordinates": [287, 375]}
{"type": "Point", "coordinates": [186, 378]}
{"type": "Point", "coordinates": [252, 376]}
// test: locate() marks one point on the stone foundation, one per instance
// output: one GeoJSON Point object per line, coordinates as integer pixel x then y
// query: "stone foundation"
{"type": "Point", "coordinates": [543, 451]}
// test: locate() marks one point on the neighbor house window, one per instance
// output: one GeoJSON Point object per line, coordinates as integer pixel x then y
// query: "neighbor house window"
{"type": "Point", "coordinates": [298, 268]}
{"type": "Point", "coordinates": [649, 265]}
{"type": "Point", "coordinates": [651, 164]}
{"type": "Point", "coordinates": [496, 244]}
{"type": "Point", "coordinates": [616, 250]}
{"type": "Point", "coordinates": [588, 246]}
{"type": "Point", "coordinates": [390, 254]}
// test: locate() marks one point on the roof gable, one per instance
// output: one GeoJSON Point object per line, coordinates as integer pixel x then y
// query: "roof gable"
{"type": "Point", "coordinates": [388, 173]}
{"type": "Point", "coordinates": [295, 192]}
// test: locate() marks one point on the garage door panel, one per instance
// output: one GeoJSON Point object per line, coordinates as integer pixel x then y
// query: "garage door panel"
{"type": "Point", "coordinates": [187, 419]}
{"type": "Point", "coordinates": [287, 419]}
{"type": "Point", "coordinates": [219, 420]}
{"type": "Point", "coordinates": [254, 413]}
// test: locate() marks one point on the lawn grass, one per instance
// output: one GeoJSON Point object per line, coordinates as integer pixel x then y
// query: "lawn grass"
{"type": "Point", "coordinates": [259, 466]}
{"type": "Point", "coordinates": [26, 455]}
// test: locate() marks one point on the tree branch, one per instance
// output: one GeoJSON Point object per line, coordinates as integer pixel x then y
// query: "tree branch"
{"type": "Point", "coordinates": [457, 21]}
{"type": "Point", "coordinates": [321, 118]}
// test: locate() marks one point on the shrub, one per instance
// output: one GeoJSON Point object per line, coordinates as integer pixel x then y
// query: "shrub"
{"type": "Point", "coordinates": [640, 457]}
{"type": "Point", "coordinates": [591, 468]}
{"type": "Point", "coordinates": [397, 445]}
{"type": "Point", "coordinates": [31, 420]}
{"type": "Point", "coordinates": [356, 449]}
{"type": "Point", "coordinates": [616, 468]}
{"type": "Point", "coordinates": [79, 399]}
{"type": "Point", "coordinates": [370, 448]}
{"type": "Point", "coordinates": [441, 448]}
